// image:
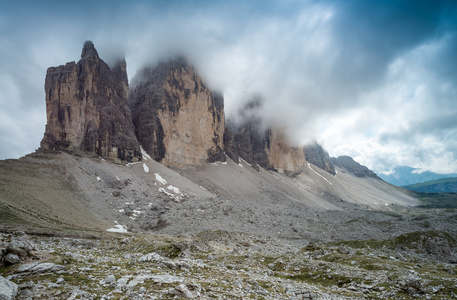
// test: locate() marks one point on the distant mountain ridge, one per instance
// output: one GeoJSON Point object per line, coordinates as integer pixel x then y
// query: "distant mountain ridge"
{"type": "Point", "coordinates": [443, 185]}
{"type": "Point", "coordinates": [404, 175]}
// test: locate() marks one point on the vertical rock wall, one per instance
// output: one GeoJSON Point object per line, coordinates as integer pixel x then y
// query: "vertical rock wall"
{"type": "Point", "coordinates": [282, 155]}
{"type": "Point", "coordinates": [316, 155]}
{"type": "Point", "coordinates": [177, 119]}
{"type": "Point", "coordinates": [267, 148]}
{"type": "Point", "coordinates": [87, 109]}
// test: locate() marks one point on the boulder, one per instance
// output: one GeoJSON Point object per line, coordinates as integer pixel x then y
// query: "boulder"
{"type": "Point", "coordinates": [8, 289]}
{"type": "Point", "coordinates": [41, 268]}
{"type": "Point", "coordinates": [20, 245]}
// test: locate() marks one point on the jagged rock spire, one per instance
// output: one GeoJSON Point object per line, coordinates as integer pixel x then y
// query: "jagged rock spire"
{"type": "Point", "coordinates": [89, 50]}
{"type": "Point", "coordinates": [87, 109]}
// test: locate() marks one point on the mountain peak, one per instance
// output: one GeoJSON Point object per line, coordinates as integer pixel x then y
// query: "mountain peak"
{"type": "Point", "coordinates": [89, 50]}
{"type": "Point", "coordinates": [87, 109]}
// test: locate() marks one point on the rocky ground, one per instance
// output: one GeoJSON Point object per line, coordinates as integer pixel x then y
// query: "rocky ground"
{"type": "Point", "coordinates": [229, 265]}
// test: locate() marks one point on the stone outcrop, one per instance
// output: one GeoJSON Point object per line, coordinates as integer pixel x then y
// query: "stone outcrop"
{"type": "Point", "coordinates": [267, 148]}
{"type": "Point", "coordinates": [282, 155]}
{"type": "Point", "coordinates": [250, 143]}
{"type": "Point", "coordinates": [178, 120]}
{"type": "Point", "coordinates": [15, 248]}
{"type": "Point", "coordinates": [230, 146]}
{"type": "Point", "coordinates": [87, 109]}
{"type": "Point", "coordinates": [353, 167]}
{"type": "Point", "coordinates": [317, 156]}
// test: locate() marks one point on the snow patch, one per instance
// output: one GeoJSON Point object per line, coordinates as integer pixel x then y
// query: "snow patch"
{"type": "Point", "coordinates": [160, 178]}
{"type": "Point", "coordinates": [121, 210]}
{"type": "Point", "coordinates": [117, 228]}
{"type": "Point", "coordinates": [309, 165]}
{"type": "Point", "coordinates": [118, 178]}
{"type": "Point", "coordinates": [133, 163]}
{"type": "Point", "coordinates": [99, 179]}
{"type": "Point", "coordinates": [146, 168]}
{"type": "Point", "coordinates": [145, 155]}
{"type": "Point", "coordinates": [245, 161]}
{"type": "Point", "coordinates": [177, 197]}
{"type": "Point", "coordinates": [174, 189]}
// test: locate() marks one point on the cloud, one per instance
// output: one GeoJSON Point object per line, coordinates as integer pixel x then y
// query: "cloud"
{"type": "Point", "coordinates": [372, 79]}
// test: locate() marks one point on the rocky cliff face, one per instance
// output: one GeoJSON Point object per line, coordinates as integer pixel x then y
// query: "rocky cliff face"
{"type": "Point", "coordinates": [316, 155]}
{"type": "Point", "coordinates": [87, 109]}
{"type": "Point", "coordinates": [282, 156]}
{"type": "Point", "coordinates": [351, 166]}
{"type": "Point", "coordinates": [250, 144]}
{"type": "Point", "coordinates": [177, 119]}
{"type": "Point", "coordinates": [269, 148]}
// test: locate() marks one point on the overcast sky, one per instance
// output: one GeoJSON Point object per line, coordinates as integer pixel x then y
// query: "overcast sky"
{"type": "Point", "coordinates": [376, 80]}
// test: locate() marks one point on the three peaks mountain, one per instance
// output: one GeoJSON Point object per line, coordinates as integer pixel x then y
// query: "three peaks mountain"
{"type": "Point", "coordinates": [170, 111]}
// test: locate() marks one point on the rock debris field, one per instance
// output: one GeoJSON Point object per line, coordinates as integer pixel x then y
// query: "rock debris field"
{"type": "Point", "coordinates": [98, 230]}
{"type": "Point", "coordinates": [223, 265]}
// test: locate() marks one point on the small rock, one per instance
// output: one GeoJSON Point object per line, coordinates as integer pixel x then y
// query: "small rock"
{"type": "Point", "coordinates": [343, 249]}
{"type": "Point", "coordinates": [238, 284]}
{"type": "Point", "coordinates": [411, 284]}
{"type": "Point", "coordinates": [25, 294]}
{"type": "Point", "coordinates": [135, 296]}
{"type": "Point", "coordinates": [151, 257]}
{"type": "Point", "coordinates": [184, 291]}
{"type": "Point", "coordinates": [109, 279]}
{"type": "Point", "coordinates": [12, 258]}
{"type": "Point", "coordinates": [169, 264]}
{"type": "Point", "coordinates": [122, 282]}
{"type": "Point", "coordinates": [41, 268]}
{"type": "Point", "coordinates": [166, 278]}
{"type": "Point", "coordinates": [79, 294]}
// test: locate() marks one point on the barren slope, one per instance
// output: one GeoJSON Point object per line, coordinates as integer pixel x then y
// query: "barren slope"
{"type": "Point", "coordinates": [62, 191]}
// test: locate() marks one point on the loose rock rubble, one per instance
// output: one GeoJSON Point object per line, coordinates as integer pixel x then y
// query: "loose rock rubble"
{"type": "Point", "coordinates": [222, 265]}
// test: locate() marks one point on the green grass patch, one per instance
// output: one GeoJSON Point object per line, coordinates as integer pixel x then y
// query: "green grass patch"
{"type": "Point", "coordinates": [321, 278]}
{"type": "Point", "coordinates": [437, 200]}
